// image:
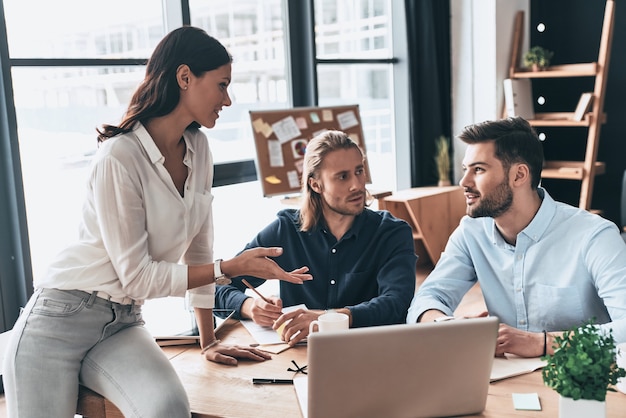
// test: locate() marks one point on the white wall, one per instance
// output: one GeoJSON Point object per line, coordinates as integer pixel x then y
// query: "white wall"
{"type": "Point", "coordinates": [402, 149]}
{"type": "Point", "coordinates": [481, 38]}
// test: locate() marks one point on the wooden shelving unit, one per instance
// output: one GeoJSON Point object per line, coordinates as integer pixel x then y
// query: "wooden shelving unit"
{"type": "Point", "coordinates": [586, 170]}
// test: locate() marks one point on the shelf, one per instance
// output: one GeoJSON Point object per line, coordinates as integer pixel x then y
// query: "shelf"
{"type": "Point", "coordinates": [592, 120]}
{"type": "Point", "coordinates": [589, 69]}
{"type": "Point", "coordinates": [563, 119]}
{"type": "Point", "coordinates": [569, 170]}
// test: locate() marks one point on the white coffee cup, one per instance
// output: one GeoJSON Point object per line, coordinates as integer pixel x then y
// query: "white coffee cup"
{"type": "Point", "coordinates": [330, 321]}
{"type": "Point", "coordinates": [621, 362]}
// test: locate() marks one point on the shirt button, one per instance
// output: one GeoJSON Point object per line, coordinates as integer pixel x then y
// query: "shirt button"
{"type": "Point", "coordinates": [332, 281]}
{"type": "Point", "coordinates": [334, 250]}
{"type": "Point", "coordinates": [522, 322]}
{"type": "Point", "coordinates": [519, 289]}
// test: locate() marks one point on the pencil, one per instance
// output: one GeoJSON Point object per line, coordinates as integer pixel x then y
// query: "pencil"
{"type": "Point", "coordinates": [249, 286]}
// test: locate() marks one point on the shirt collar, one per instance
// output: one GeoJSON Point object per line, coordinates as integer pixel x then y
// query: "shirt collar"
{"type": "Point", "coordinates": [147, 143]}
{"type": "Point", "coordinates": [357, 225]}
{"type": "Point", "coordinates": [151, 149]}
{"type": "Point", "coordinates": [354, 230]}
{"type": "Point", "coordinates": [538, 225]}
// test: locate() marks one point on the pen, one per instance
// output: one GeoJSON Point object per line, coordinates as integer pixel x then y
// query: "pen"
{"type": "Point", "coordinates": [301, 342]}
{"type": "Point", "coordinates": [249, 286]}
{"type": "Point", "coordinates": [260, 381]}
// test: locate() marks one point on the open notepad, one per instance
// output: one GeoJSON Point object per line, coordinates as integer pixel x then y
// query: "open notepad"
{"type": "Point", "coordinates": [269, 339]}
{"type": "Point", "coordinates": [511, 365]}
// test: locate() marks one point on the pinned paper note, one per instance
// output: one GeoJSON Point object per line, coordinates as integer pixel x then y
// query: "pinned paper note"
{"type": "Point", "coordinates": [273, 180]}
{"type": "Point", "coordinates": [347, 120]}
{"type": "Point", "coordinates": [286, 129]}
{"type": "Point", "coordinates": [293, 179]}
{"type": "Point", "coordinates": [301, 122]}
{"type": "Point", "coordinates": [267, 130]}
{"type": "Point", "coordinates": [298, 148]}
{"type": "Point", "coordinates": [314, 117]}
{"type": "Point", "coordinates": [275, 152]}
{"type": "Point", "coordinates": [260, 126]}
{"type": "Point", "coordinates": [327, 115]}
{"type": "Point", "coordinates": [256, 124]}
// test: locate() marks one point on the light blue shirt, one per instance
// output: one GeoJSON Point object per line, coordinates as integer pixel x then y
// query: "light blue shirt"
{"type": "Point", "coordinates": [567, 267]}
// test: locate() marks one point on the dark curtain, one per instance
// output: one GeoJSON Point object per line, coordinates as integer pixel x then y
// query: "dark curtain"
{"type": "Point", "coordinates": [16, 283]}
{"type": "Point", "coordinates": [428, 32]}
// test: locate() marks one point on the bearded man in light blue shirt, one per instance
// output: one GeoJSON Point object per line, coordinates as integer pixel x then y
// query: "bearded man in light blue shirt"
{"type": "Point", "coordinates": [543, 266]}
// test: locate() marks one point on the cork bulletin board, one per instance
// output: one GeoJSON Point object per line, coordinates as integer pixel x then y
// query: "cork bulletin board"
{"type": "Point", "coordinates": [281, 136]}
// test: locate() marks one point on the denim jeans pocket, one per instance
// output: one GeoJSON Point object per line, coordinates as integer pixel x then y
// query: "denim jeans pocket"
{"type": "Point", "coordinates": [58, 303]}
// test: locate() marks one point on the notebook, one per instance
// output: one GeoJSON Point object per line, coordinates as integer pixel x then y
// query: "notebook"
{"type": "Point", "coordinates": [408, 370]}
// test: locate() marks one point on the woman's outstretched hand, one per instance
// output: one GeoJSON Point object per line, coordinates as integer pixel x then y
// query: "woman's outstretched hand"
{"type": "Point", "coordinates": [257, 262]}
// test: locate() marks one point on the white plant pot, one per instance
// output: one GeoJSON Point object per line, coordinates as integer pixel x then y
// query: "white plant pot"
{"type": "Point", "coordinates": [581, 408]}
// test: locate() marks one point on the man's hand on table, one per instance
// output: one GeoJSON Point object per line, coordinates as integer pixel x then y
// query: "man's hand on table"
{"type": "Point", "coordinates": [295, 324]}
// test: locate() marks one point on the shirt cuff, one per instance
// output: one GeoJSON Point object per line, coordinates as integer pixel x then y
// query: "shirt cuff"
{"type": "Point", "coordinates": [202, 297]}
{"type": "Point", "coordinates": [415, 312]}
{"type": "Point", "coordinates": [179, 280]}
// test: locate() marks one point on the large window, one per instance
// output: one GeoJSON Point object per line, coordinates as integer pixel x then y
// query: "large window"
{"type": "Point", "coordinates": [82, 67]}
{"type": "Point", "coordinates": [61, 97]}
{"type": "Point", "coordinates": [252, 31]}
{"type": "Point", "coordinates": [353, 41]}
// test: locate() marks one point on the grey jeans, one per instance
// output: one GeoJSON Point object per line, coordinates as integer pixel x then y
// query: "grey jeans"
{"type": "Point", "coordinates": [64, 337]}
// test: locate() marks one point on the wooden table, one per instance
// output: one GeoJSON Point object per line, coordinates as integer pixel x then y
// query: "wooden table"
{"type": "Point", "coordinates": [217, 390]}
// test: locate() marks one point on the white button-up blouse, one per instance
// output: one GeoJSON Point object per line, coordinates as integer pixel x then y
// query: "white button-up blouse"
{"type": "Point", "coordinates": [138, 234]}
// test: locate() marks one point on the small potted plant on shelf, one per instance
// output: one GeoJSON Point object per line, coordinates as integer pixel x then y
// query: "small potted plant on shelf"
{"type": "Point", "coordinates": [537, 58]}
{"type": "Point", "coordinates": [582, 370]}
{"type": "Point", "coordinates": [442, 159]}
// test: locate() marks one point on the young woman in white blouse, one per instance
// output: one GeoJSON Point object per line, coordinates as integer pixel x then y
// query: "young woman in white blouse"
{"type": "Point", "coordinates": [146, 232]}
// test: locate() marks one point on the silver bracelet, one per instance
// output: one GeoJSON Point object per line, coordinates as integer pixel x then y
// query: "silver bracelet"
{"type": "Point", "coordinates": [211, 344]}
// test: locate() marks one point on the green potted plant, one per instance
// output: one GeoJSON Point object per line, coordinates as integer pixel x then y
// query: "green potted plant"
{"type": "Point", "coordinates": [537, 58]}
{"type": "Point", "coordinates": [442, 159]}
{"type": "Point", "coordinates": [582, 370]}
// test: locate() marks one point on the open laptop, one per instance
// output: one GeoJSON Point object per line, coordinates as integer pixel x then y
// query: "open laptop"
{"type": "Point", "coordinates": [413, 370]}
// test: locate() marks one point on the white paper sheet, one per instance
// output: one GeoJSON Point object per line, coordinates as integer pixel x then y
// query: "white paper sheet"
{"type": "Point", "coordinates": [267, 335]}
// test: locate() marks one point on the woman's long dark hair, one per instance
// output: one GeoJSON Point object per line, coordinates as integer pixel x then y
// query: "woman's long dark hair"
{"type": "Point", "coordinates": [159, 93]}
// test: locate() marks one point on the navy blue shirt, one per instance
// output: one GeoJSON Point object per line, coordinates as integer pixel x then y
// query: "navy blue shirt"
{"type": "Point", "coordinates": [370, 270]}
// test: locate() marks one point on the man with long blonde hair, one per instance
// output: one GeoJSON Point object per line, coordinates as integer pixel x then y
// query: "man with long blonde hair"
{"type": "Point", "coordinates": [362, 261]}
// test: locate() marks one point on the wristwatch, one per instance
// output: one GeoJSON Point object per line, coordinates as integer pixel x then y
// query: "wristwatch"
{"type": "Point", "coordinates": [220, 278]}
